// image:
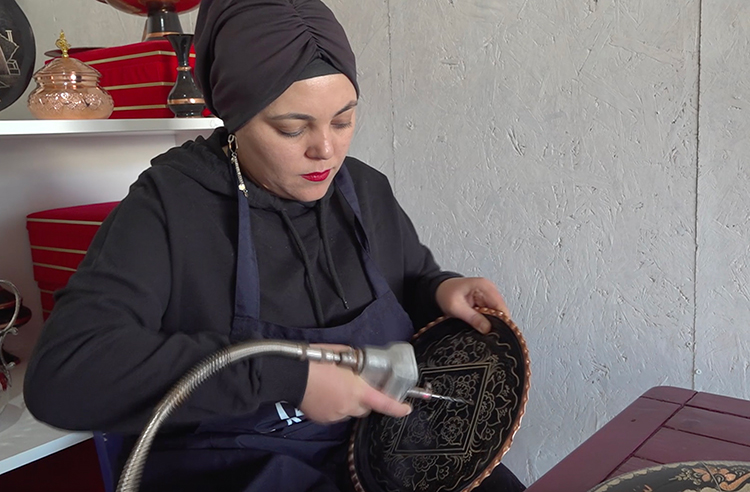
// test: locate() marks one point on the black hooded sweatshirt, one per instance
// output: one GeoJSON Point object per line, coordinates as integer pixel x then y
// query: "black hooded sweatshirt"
{"type": "Point", "coordinates": [155, 292]}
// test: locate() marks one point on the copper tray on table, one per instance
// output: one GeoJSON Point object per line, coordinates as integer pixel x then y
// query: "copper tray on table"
{"type": "Point", "coordinates": [693, 476]}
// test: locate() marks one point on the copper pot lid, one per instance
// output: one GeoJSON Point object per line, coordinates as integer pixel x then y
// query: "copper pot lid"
{"type": "Point", "coordinates": [66, 69]}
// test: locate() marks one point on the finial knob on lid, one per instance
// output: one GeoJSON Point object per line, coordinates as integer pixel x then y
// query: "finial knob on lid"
{"type": "Point", "coordinates": [63, 44]}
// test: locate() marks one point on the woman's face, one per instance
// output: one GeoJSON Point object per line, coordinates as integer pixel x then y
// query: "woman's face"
{"type": "Point", "coordinates": [296, 145]}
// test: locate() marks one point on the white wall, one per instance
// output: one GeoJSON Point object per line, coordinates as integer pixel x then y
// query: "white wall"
{"type": "Point", "coordinates": [557, 148]}
{"type": "Point", "coordinates": [722, 355]}
{"type": "Point", "coordinates": [550, 146]}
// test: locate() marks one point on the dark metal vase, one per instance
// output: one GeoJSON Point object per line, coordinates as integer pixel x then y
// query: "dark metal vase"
{"type": "Point", "coordinates": [161, 23]}
{"type": "Point", "coordinates": [185, 100]}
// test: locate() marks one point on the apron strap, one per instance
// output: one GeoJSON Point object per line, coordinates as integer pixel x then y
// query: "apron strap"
{"type": "Point", "coordinates": [247, 286]}
{"type": "Point", "coordinates": [345, 185]}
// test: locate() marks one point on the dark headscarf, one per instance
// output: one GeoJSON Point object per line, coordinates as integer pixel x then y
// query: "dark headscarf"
{"type": "Point", "coordinates": [248, 52]}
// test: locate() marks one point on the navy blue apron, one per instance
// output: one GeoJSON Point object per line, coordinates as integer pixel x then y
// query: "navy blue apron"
{"type": "Point", "coordinates": [277, 448]}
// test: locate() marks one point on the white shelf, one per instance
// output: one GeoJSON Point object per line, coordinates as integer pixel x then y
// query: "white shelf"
{"type": "Point", "coordinates": [116, 126]}
{"type": "Point", "coordinates": [50, 155]}
{"type": "Point", "coordinates": [24, 439]}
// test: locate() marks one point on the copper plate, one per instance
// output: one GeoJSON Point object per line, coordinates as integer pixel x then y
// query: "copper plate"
{"type": "Point", "coordinates": [693, 476]}
{"type": "Point", "coordinates": [441, 445]}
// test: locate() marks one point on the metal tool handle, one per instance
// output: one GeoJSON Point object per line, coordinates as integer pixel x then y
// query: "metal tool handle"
{"type": "Point", "coordinates": [392, 369]}
{"type": "Point", "coordinates": [130, 478]}
{"type": "Point", "coordinates": [397, 379]}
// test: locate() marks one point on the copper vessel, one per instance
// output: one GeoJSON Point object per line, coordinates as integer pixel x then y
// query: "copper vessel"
{"type": "Point", "coordinates": [68, 89]}
{"type": "Point", "coordinates": [161, 15]}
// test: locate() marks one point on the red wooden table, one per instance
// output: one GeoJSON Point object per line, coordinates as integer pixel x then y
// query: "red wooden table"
{"type": "Point", "coordinates": [664, 425]}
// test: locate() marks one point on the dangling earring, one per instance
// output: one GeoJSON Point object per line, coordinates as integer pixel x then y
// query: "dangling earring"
{"type": "Point", "coordinates": [233, 157]}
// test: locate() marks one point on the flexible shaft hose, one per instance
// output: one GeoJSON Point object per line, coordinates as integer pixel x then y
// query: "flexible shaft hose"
{"type": "Point", "coordinates": [130, 478]}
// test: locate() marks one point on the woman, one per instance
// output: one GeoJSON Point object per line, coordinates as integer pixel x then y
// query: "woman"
{"type": "Point", "coordinates": [264, 230]}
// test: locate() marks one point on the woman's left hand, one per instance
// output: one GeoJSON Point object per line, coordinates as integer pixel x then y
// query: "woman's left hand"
{"type": "Point", "coordinates": [458, 297]}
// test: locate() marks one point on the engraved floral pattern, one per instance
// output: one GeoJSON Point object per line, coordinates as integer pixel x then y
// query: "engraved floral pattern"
{"type": "Point", "coordinates": [452, 429]}
{"type": "Point", "coordinates": [69, 103]}
{"type": "Point", "coordinates": [420, 431]}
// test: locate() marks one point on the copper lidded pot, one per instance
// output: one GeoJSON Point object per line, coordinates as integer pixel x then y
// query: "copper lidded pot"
{"type": "Point", "coordinates": [68, 89]}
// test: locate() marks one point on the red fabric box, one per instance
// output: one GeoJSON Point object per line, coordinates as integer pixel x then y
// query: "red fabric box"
{"type": "Point", "coordinates": [59, 240]}
{"type": "Point", "coordinates": [138, 76]}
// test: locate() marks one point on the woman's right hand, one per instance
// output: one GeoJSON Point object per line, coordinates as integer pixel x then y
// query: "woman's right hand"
{"type": "Point", "coordinates": [335, 393]}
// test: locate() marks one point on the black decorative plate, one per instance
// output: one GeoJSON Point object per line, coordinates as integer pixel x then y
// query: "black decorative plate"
{"type": "Point", "coordinates": [443, 446]}
{"type": "Point", "coordinates": [17, 52]}
{"type": "Point", "coordinates": [693, 476]}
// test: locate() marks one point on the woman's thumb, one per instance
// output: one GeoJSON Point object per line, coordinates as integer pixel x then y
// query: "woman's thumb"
{"type": "Point", "coordinates": [476, 320]}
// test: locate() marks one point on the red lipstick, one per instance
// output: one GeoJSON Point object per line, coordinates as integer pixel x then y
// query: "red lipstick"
{"type": "Point", "coordinates": [317, 176]}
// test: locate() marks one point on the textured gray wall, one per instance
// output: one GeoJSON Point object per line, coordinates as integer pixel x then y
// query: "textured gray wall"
{"type": "Point", "coordinates": [550, 146]}
{"type": "Point", "coordinates": [557, 148]}
{"type": "Point", "coordinates": [722, 356]}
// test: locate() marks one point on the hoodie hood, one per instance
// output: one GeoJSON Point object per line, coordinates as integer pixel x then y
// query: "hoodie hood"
{"type": "Point", "coordinates": [204, 161]}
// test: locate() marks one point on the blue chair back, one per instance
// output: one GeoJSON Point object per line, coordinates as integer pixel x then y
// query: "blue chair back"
{"type": "Point", "coordinates": [108, 448]}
